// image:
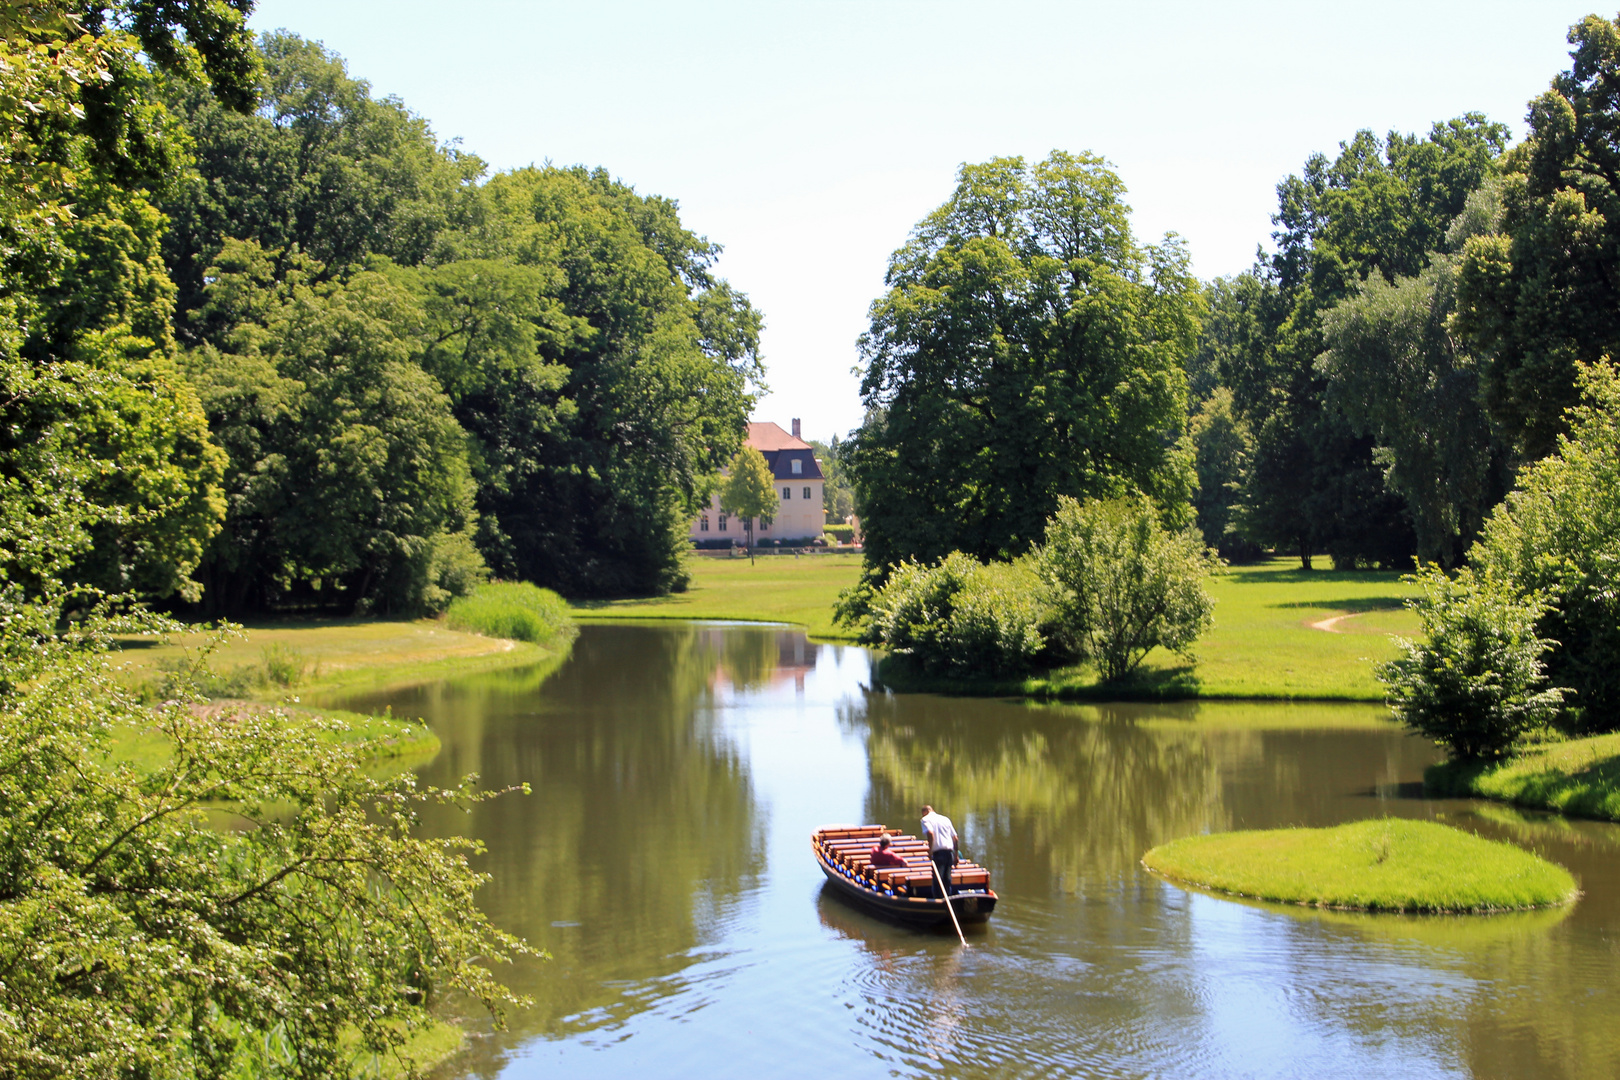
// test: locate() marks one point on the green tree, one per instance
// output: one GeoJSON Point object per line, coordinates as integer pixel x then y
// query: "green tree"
{"type": "Point", "coordinates": [656, 360]}
{"type": "Point", "coordinates": [1222, 447]}
{"type": "Point", "coordinates": [1475, 683]}
{"type": "Point", "coordinates": [749, 490]}
{"type": "Point", "coordinates": [1379, 208]}
{"type": "Point", "coordinates": [349, 473]}
{"type": "Point", "coordinates": [1396, 371]}
{"type": "Point", "coordinates": [1557, 535]}
{"type": "Point", "coordinates": [1027, 348]}
{"type": "Point", "coordinates": [1121, 585]}
{"type": "Point", "coordinates": [90, 391]}
{"type": "Point", "coordinates": [1544, 294]}
{"type": "Point", "coordinates": [321, 169]}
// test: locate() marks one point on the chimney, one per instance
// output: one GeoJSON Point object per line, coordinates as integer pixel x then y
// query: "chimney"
{"type": "Point", "coordinates": [795, 427]}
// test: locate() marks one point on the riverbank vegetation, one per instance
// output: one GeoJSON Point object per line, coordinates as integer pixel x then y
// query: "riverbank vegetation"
{"type": "Point", "coordinates": [515, 610]}
{"type": "Point", "coordinates": [1579, 777]}
{"type": "Point", "coordinates": [1386, 864]}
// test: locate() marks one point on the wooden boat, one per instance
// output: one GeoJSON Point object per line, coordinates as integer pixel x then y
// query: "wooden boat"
{"type": "Point", "coordinates": [908, 893]}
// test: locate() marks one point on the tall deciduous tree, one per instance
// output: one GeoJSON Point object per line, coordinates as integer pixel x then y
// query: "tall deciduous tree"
{"type": "Point", "coordinates": [749, 490]}
{"type": "Point", "coordinates": [1027, 348]}
{"type": "Point", "coordinates": [1544, 293]}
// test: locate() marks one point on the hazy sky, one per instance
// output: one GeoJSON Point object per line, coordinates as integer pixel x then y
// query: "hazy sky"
{"type": "Point", "coordinates": [808, 138]}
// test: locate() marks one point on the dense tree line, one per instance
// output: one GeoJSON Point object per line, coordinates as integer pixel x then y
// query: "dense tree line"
{"type": "Point", "coordinates": [344, 369]}
{"type": "Point", "coordinates": [1408, 353]}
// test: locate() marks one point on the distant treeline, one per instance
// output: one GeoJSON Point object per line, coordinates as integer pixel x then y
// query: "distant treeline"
{"type": "Point", "coordinates": [347, 370]}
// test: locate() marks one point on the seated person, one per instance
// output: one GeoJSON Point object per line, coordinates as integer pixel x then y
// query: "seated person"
{"type": "Point", "coordinates": [882, 856]}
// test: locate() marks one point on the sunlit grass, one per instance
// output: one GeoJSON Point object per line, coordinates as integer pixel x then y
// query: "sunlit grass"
{"type": "Point", "coordinates": [799, 590]}
{"type": "Point", "coordinates": [380, 737]}
{"type": "Point", "coordinates": [1386, 864]}
{"type": "Point", "coordinates": [1579, 777]}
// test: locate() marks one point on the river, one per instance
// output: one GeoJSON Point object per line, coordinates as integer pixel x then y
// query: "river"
{"type": "Point", "coordinates": [663, 860]}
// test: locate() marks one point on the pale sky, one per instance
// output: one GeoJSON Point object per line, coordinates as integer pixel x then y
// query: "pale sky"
{"type": "Point", "coordinates": [808, 138]}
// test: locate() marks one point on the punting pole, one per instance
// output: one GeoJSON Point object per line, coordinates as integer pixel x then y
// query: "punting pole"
{"type": "Point", "coordinates": [946, 894]}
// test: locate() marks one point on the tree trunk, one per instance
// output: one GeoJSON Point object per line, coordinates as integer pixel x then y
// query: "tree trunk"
{"type": "Point", "coordinates": [1304, 553]}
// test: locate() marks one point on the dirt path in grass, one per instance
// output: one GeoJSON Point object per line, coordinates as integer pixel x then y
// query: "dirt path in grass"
{"type": "Point", "coordinates": [1331, 625]}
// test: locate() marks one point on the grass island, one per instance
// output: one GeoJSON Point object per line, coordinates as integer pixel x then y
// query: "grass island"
{"type": "Point", "coordinates": [1385, 864]}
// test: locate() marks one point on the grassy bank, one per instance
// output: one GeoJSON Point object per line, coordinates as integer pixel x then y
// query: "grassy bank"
{"type": "Point", "coordinates": [289, 664]}
{"type": "Point", "coordinates": [776, 588]}
{"type": "Point", "coordinates": [1580, 777]}
{"type": "Point", "coordinates": [1388, 864]}
{"type": "Point", "coordinates": [316, 658]}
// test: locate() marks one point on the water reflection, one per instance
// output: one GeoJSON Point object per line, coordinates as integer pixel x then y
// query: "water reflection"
{"type": "Point", "coordinates": [663, 859]}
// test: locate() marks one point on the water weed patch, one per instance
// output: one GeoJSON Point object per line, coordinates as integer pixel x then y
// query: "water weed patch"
{"type": "Point", "coordinates": [512, 609]}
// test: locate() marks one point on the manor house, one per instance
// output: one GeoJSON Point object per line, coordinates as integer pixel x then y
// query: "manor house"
{"type": "Point", "coordinates": [798, 489]}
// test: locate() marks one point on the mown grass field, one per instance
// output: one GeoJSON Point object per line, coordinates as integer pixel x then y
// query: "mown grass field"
{"type": "Point", "coordinates": [1580, 777]}
{"type": "Point", "coordinates": [1263, 644]}
{"type": "Point", "coordinates": [1387, 864]}
{"type": "Point", "coordinates": [776, 588]}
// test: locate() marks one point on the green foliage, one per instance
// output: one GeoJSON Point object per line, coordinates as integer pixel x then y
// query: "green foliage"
{"type": "Point", "coordinates": [1387, 864]}
{"type": "Point", "coordinates": [148, 940]}
{"type": "Point", "coordinates": [1542, 296]}
{"type": "Point", "coordinates": [1380, 208]}
{"type": "Point", "coordinates": [1120, 584]}
{"type": "Point", "coordinates": [1027, 348]}
{"type": "Point", "coordinates": [1394, 370]}
{"type": "Point", "coordinates": [959, 616]}
{"type": "Point", "coordinates": [749, 491]}
{"type": "Point", "coordinates": [1558, 535]}
{"type": "Point", "coordinates": [512, 609]}
{"type": "Point", "coordinates": [837, 495]}
{"type": "Point", "coordinates": [1222, 446]}
{"type": "Point", "coordinates": [1475, 683]}
{"type": "Point", "coordinates": [348, 470]}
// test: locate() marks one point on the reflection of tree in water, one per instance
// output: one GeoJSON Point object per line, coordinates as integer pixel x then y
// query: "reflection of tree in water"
{"type": "Point", "coordinates": [1071, 796]}
{"type": "Point", "coordinates": [641, 831]}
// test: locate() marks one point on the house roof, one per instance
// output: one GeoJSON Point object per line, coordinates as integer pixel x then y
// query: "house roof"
{"type": "Point", "coordinates": [767, 436]}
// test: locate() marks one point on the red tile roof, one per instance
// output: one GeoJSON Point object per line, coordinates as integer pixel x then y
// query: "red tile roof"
{"type": "Point", "coordinates": [768, 436]}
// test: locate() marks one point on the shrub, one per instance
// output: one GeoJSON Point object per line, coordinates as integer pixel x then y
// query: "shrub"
{"type": "Point", "coordinates": [959, 616]}
{"type": "Point", "coordinates": [512, 609]}
{"type": "Point", "coordinates": [843, 534]}
{"type": "Point", "coordinates": [1475, 683]}
{"type": "Point", "coordinates": [1119, 584]}
{"type": "Point", "coordinates": [1558, 535]}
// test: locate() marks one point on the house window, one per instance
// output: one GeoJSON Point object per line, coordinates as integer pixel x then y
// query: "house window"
{"type": "Point", "coordinates": [764, 524]}
{"type": "Point", "coordinates": [807, 493]}
{"type": "Point", "coordinates": [787, 493]}
{"type": "Point", "coordinates": [703, 523]}
{"type": "Point", "coordinates": [798, 466]}
{"type": "Point", "coordinates": [722, 523]}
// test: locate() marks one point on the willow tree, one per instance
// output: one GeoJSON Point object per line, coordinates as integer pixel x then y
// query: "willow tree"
{"type": "Point", "coordinates": [1027, 348]}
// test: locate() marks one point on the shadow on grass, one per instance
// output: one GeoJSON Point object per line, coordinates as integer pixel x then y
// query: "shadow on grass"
{"type": "Point", "coordinates": [901, 675]}
{"type": "Point", "coordinates": [1273, 576]}
{"type": "Point", "coordinates": [1356, 604]}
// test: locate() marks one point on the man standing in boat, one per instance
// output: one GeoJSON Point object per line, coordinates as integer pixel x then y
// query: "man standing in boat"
{"type": "Point", "coordinates": [941, 837]}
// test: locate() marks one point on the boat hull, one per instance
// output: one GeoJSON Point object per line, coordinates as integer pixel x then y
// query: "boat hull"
{"type": "Point", "coordinates": [972, 905]}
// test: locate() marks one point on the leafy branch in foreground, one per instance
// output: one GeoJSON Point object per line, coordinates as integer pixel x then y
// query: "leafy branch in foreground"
{"type": "Point", "coordinates": [257, 902]}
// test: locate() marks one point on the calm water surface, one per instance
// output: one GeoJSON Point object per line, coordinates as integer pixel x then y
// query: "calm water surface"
{"type": "Point", "coordinates": [663, 860]}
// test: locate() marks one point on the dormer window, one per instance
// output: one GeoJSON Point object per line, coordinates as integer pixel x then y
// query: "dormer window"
{"type": "Point", "coordinates": [798, 466]}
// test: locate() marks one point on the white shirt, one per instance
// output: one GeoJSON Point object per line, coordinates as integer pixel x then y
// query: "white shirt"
{"type": "Point", "coordinates": [940, 832]}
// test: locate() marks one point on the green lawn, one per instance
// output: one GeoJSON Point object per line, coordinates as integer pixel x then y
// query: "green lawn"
{"type": "Point", "coordinates": [1580, 777]}
{"type": "Point", "coordinates": [1387, 864]}
{"type": "Point", "coordinates": [774, 588]}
